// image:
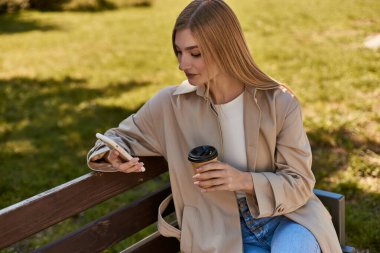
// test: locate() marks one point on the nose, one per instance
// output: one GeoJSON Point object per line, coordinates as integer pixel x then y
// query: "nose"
{"type": "Point", "coordinates": [184, 63]}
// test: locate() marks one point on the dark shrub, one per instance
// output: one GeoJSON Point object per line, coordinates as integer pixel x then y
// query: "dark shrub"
{"type": "Point", "coordinates": [47, 5]}
{"type": "Point", "coordinates": [140, 3]}
{"type": "Point", "coordinates": [89, 5]}
{"type": "Point", "coordinates": [11, 6]}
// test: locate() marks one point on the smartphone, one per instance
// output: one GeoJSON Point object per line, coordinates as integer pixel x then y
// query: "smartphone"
{"type": "Point", "coordinates": [113, 145]}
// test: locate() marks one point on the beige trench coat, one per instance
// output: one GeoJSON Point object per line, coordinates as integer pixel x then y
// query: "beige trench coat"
{"type": "Point", "coordinates": [279, 158]}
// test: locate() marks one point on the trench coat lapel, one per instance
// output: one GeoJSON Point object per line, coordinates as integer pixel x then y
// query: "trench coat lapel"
{"type": "Point", "coordinates": [252, 120]}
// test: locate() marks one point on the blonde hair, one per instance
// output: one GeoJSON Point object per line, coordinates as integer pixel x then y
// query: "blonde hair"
{"type": "Point", "coordinates": [216, 28]}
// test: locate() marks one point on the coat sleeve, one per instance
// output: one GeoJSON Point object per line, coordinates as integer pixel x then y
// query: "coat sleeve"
{"type": "Point", "coordinates": [138, 135]}
{"type": "Point", "coordinates": [291, 183]}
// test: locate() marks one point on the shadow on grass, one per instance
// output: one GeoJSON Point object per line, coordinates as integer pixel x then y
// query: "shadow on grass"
{"type": "Point", "coordinates": [333, 151]}
{"type": "Point", "coordinates": [332, 148]}
{"type": "Point", "coordinates": [362, 214]}
{"type": "Point", "coordinates": [87, 6]}
{"type": "Point", "coordinates": [66, 5]}
{"type": "Point", "coordinates": [46, 128]}
{"type": "Point", "coordinates": [101, 5]}
{"type": "Point", "coordinates": [12, 23]}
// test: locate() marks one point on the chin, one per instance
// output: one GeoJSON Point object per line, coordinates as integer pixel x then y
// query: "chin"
{"type": "Point", "coordinates": [195, 82]}
{"type": "Point", "coordinates": [192, 82]}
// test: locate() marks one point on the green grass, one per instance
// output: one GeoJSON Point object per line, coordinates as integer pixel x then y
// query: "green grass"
{"type": "Point", "coordinates": [66, 75]}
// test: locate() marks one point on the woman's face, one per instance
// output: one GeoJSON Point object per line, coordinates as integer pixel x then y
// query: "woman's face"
{"type": "Point", "coordinates": [189, 58]}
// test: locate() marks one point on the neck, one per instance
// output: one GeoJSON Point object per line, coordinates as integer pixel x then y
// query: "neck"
{"type": "Point", "coordinates": [225, 89]}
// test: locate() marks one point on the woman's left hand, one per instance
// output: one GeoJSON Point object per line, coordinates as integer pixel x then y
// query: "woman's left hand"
{"type": "Point", "coordinates": [218, 176]}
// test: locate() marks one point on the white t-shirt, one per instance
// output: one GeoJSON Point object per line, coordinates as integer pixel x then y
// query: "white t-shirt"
{"type": "Point", "coordinates": [232, 124]}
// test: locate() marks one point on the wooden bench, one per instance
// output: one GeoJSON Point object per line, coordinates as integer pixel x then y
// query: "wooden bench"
{"type": "Point", "coordinates": [32, 215]}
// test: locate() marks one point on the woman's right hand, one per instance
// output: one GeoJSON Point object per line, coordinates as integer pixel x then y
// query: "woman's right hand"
{"type": "Point", "coordinates": [118, 163]}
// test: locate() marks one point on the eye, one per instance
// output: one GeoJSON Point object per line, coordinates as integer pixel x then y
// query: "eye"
{"type": "Point", "coordinates": [196, 55]}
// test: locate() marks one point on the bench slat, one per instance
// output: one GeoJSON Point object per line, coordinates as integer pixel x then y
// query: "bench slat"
{"type": "Point", "coordinates": [112, 228]}
{"type": "Point", "coordinates": [46, 209]}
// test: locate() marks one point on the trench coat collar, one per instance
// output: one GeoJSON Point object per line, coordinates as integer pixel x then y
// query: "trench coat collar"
{"type": "Point", "coordinates": [186, 87]}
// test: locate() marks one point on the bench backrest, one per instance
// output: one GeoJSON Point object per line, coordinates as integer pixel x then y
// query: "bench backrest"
{"type": "Point", "coordinates": [32, 215]}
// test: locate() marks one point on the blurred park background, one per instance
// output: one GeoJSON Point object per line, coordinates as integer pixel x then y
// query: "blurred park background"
{"type": "Point", "coordinates": [74, 68]}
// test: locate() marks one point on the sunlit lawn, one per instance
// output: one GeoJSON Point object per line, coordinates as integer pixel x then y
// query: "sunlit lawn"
{"type": "Point", "coordinates": [65, 76]}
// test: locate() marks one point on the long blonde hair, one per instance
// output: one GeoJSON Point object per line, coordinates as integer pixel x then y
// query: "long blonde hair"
{"type": "Point", "coordinates": [216, 28]}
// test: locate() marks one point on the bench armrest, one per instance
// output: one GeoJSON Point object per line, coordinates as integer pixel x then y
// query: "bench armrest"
{"type": "Point", "coordinates": [335, 204]}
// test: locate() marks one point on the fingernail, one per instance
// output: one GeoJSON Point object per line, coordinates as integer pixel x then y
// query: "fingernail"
{"type": "Point", "coordinates": [196, 175]}
{"type": "Point", "coordinates": [196, 182]}
{"type": "Point", "coordinates": [142, 169]}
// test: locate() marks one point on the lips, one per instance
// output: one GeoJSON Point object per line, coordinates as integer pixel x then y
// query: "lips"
{"type": "Point", "coordinates": [190, 75]}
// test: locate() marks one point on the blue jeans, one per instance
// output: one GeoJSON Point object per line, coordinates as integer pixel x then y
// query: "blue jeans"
{"type": "Point", "coordinates": [274, 234]}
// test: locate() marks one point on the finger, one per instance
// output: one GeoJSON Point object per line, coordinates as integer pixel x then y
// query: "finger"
{"type": "Point", "coordinates": [117, 162]}
{"type": "Point", "coordinates": [113, 154]}
{"type": "Point", "coordinates": [209, 175]}
{"type": "Point", "coordinates": [211, 166]}
{"type": "Point", "coordinates": [210, 183]}
{"type": "Point", "coordinates": [129, 164]}
{"type": "Point", "coordinates": [138, 168]}
{"type": "Point", "coordinates": [135, 168]}
{"type": "Point", "coordinates": [114, 159]}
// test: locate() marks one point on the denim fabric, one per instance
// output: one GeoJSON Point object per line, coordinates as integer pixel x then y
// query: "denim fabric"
{"type": "Point", "coordinates": [274, 234]}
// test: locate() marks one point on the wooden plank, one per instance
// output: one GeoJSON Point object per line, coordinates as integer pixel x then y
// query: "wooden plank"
{"type": "Point", "coordinates": [113, 227]}
{"type": "Point", "coordinates": [48, 208]}
{"type": "Point", "coordinates": [155, 243]}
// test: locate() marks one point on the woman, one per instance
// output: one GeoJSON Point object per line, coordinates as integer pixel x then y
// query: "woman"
{"type": "Point", "coordinates": [259, 196]}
